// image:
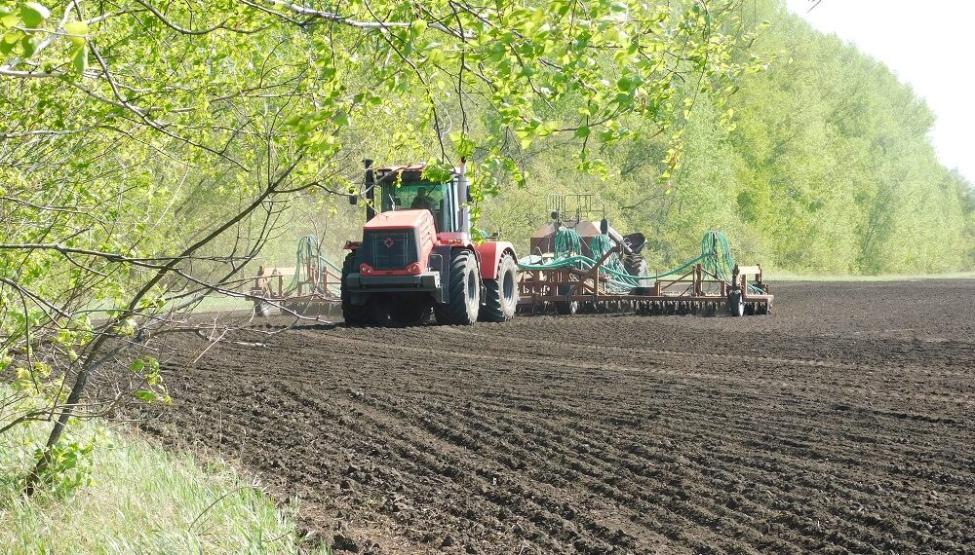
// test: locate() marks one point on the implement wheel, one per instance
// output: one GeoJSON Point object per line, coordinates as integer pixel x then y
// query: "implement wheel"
{"type": "Point", "coordinates": [463, 291]}
{"type": "Point", "coordinates": [566, 307]}
{"type": "Point", "coordinates": [262, 308]}
{"type": "Point", "coordinates": [352, 314]}
{"type": "Point", "coordinates": [736, 304]}
{"type": "Point", "coordinates": [502, 293]}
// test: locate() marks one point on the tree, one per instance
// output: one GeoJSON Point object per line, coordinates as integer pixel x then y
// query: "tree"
{"type": "Point", "coordinates": [152, 146]}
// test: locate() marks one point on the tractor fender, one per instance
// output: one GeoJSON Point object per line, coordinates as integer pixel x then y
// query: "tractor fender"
{"type": "Point", "coordinates": [490, 253]}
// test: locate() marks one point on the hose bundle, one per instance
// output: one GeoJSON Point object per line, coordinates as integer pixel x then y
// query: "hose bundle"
{"type": "Point", "coordinates": [309, 260]}
{"type": "Point", "coordinates": [715, 257]}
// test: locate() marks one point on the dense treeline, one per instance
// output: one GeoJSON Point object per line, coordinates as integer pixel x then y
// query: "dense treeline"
{"type": "Point", "coordinates": [824, 166]}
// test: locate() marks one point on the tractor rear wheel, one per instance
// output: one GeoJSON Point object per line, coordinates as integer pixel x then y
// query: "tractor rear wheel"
{"type": "Point", "coordinates": [354, 315]}
{"type": "Point", "coordinates": [502, 293]}
{"type": "Point", "coordinates": [463, 293]}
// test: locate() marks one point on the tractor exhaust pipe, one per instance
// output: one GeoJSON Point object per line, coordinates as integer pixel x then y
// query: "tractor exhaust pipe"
{"type": "Point", "coordinates": [464, 196]}
{"type": "Point", "coordinates": [370, 190]}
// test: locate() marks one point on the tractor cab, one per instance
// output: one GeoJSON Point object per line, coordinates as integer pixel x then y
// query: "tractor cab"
{"type": "Point", "coordinates": [435, 197]}
{"type": "Point", "coordinates": [406, 188]}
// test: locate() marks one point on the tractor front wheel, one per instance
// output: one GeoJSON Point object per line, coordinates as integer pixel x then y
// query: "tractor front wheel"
{"type": "Point", "coordinates": [463, 293]}
{"type": "Point", "coordinates": [502, 293]}
{"type": "Point", "coordinates": [354, 315]}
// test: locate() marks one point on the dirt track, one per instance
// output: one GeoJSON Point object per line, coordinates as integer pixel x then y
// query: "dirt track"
{"type": "Point", "coordinates": [844, 422]}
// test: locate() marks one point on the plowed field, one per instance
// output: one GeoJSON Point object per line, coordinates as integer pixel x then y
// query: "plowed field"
{"type": "Point", "coordinates": [841, 423]}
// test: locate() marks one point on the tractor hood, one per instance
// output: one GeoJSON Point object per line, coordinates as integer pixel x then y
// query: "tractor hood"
{"type": "Point", "coordinates": [400, 219]}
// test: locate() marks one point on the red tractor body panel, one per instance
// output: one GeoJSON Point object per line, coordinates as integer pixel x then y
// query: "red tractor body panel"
{"type": "Point", "coordinates": [400, 219]}
{"type": "Point", "coordinates": [490, 253]}
{"type": "Point", "coordinates": [417, 232]}
{"type": "Point", "coordinates": [454, 239]}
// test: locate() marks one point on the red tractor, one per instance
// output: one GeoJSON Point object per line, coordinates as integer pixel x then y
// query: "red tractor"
{"type": "Point", "coordinates": [417, 257]}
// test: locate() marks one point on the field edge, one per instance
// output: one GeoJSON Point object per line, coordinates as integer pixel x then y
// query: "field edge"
{"type": "Point", "coordinates": [138, 496]}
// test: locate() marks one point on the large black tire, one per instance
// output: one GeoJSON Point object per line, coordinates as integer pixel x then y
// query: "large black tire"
{"type": "Point", "coordinates": [354, 315]}
{"type": "Point", "coordinates": [463, 291]}
{"type": "Point", "coordinates": [736, 305]}
{"type": "Point", "coordinates": [501, 300]}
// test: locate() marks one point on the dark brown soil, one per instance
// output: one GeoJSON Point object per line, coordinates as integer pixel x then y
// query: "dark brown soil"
{"type": "Point", "coordinates": [842, 423]}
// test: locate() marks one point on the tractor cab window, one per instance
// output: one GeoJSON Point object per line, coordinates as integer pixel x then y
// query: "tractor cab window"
{"type": "Point", "coordinates": [413, 196]}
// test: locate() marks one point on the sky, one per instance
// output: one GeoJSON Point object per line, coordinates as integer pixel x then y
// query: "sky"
{"type": "Point", "coordinates": [929, 45]}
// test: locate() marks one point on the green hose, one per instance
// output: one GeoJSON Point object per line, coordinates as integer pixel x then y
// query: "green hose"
{"type": "Point", "coordinates": [309, 249]}
{"type": "Point", "coordinates": [715, 258]}
{"type": "Point", "coordinates": [567, 242]}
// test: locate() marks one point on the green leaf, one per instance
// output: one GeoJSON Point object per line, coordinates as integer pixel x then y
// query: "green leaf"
{"type": "Point", "coordinates": [77, 31]}
{"type": "Point", "coordinates": [28, 45]}
{"type": "Point", "coordinates": [144, 395]}
{"type": "Point", "coordinates": [341, 118]}
{"type": "Point", "coordinates": [80, 59]}
{"type": "Point", "coordinates": [5, 46]}
{"type": "Point", "coordinates": [137, 365]}
{"type": "Point", "coordinates": [33, 14]}
{"type": "Point", "coordinates": [9, 20]}
{"type": "Point", "coordinates": [628, 83]}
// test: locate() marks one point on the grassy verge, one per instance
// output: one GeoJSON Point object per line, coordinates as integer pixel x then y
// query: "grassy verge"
{"type": "Point", "coordinates": [138, 498]}
{"type": "Point", "coordinates": [788, 276]}
{"type": "Point", "coordinates": [221, 303]}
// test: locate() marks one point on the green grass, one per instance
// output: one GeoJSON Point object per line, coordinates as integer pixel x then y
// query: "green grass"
{"type": "Point", "coordinates": [221, 303]}
{"type": "Point", "coordinates": [140, 499]}
{"type": "Point", "coordinates": [789, 276]}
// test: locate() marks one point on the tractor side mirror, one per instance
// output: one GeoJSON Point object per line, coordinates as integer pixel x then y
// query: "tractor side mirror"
{"type": "Point", "coordinates": [353, 199]}
{"type": "Point", "coordinates": [604, 226]}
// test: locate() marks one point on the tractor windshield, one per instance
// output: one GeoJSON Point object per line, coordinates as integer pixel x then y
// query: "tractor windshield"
{"type": "Point", "coordinates": [423, 195]}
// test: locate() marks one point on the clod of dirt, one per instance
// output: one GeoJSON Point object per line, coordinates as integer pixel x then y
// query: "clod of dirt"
{"type": "Point", "coordinates": [448, 541]}
{"type": "Point", "coordinates": [344, 543]}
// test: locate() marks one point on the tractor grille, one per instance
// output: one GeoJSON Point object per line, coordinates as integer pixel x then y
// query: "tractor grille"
{"type": "Point", "coordinates": [390, 250]}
